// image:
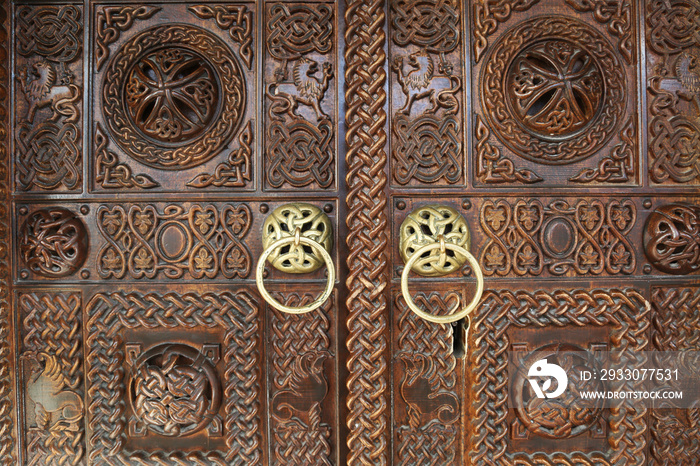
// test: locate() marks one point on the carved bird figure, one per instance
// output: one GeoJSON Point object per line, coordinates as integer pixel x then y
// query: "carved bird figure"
{"type": "Point", "coordinates": [46, 389]}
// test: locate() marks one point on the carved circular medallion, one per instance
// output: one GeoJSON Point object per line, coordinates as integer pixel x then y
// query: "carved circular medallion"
{"type": "Point", "coordinates": [553, 90]}
{"type": "Point", "coordinates": [568, 414]}
{"type": "Point", "coordinates": [173, 96]}
{"type": "Point", "coordinates": [672, 238]}
{"type": "Point", "coordinates": [424, 226]}
{"type": "Point", "coordinates": [53, 242]}
{"type": "Point", "coordinates": [174, 390]}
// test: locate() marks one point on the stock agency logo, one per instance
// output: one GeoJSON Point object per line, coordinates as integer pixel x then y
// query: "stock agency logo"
{"type": "Point", "coordinates": [541, 375]}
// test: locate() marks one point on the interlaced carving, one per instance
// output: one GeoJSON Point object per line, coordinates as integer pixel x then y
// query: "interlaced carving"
{"type": "Point", "coordinates": [590, 237]}
{"type": "Point", "coordinates": [234, 313]}
{"type": "Point", "coordinates": [52, 355]}
{"type": "Point", "coordinates": [487, 16]}
{"type": "Point", "coordinates": [618, 15]}
{"type": "Point", "coordinates": [237, 20]}
{"type": "Point", "coordinates": [365, 97]}
{"type": "Point", "coordinates": [54, 32]}
{"type": "Point", "coordinates": [294, 30]}
{"type": "Point", "coordinates": [7, 366]}
{"type": "Point", "coordinates": [301, 346]}
{"type": "Point", "coordinates": [53, 242]}
{"type": "Point", "coordinates": [433, 446]}
{"type": "Point", "coordinates": [675, 434]}
{"type": "Point", "coordinates": [433, 24]}
{"type": "Point", "coordinates": [547, 99]}
{"type": "Point", "coordinates": [672, 238]}
{"type": "Point", "coordinates": [111, 21]}
{"type": "Point", "coordinates": [619, 166]}
{"type": "Point", "coordinates": [625, 312]}
{"type": "Point", "coordinates": [112, 174]}
{"type": "Point", "coordinates": [167, 64]}
{"type": "Point", "coordinates": [236, 172]}
{"type": "Point", "coordinates": [201, 241]}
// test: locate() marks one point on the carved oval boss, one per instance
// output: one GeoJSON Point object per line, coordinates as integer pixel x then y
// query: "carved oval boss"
{"type": "Point", "coordinates": [173, 96]}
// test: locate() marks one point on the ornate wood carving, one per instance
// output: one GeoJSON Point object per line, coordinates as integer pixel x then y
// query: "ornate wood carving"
{"type": "Point", "coordinates": [237, 20]}
{"type": "Point", "coordinates": [52, 376]}
{"type": "Point", "coordinates": [48, 96]}
{"type": "Point", "coordinates": [110, 173]}
{"type": "Point", "coordinates": [672, 238]}
{"type": "Point", "coordinates": [529, 237]}
{"type": "Point", "coordinates": [488, 14]}
{"type": "Point", "coordinates": [111, 342]}
{"type": "Point", "coordinates": [110, 22]}
{"type": "Point", "coordinates": [173, 241]}
{"type": "Point", "coordinates": [236, 171]}
{"type": "Point", "coordinates": [368, 387]}
{"type": "Point", "coordinates": [623, 317]}
{"type": "Point", "coordinates": [301, 352]}
{"type": "Point", "coordinates": [673, 47]}
{"type": "Point", "coordinates": [618, 17]}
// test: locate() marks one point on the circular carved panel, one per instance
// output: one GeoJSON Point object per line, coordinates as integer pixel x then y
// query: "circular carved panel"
{"type": "Point", "coordinates": [174, 390]}
{"type": "Point", "coordinates": [173, 96]}
{"type": "Point", "coordinates": [672, 239]}
{"type": "Point", "coordinates": [553, 90]}
{"type": "Point", "coordinates": [53, 242]}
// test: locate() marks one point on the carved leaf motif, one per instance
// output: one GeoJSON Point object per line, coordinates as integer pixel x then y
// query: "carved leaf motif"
{"type": "Point", "coordinates": [494, 258]}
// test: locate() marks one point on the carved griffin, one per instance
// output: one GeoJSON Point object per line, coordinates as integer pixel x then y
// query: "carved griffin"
{"type": "Point", "coordinates": [420, 82]}
{"type": "Point", "coordinates": [40, 89]}
{"type": "Point", "coordinates": [307, 387]}
{"type": "Point", "coordinates": [306, 89]}
{"type": "Point", "coordinates": [54, 407]}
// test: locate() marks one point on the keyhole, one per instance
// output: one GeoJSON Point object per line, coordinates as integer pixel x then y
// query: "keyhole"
{"type": "Point", "coordinates": [459, 338]}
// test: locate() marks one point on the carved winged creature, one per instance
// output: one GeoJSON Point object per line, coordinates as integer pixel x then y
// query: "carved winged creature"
{"type": "Point", "coordinates": [307, 89]}
{"type": "Point", "coordinates": [420, 389]}
{"type": "Point", "coordinates": [307, 388]}
{"type": "Point", "coordinates": [43, 90]}
{"type": "Point", "coordinates": [688, 72]}
{"type": "Point", "coordinates": [46, 389]}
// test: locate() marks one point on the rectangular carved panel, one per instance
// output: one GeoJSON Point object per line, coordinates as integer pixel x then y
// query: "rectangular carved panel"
{"type": "Point", "coordinates": [48, 93]}
{"type": "Point", "coordinates": [673, 92]}
{"type": "Point", "coordinates": [300, 96]}
{"type": "Point", "coordinates": [508, 320]}
{"type": "Point", "coordinates": [426, 83]}
{"type": "Point", "coordinates": [52, 376]}
{"type": "Point", "coordinates": [171, 371]}
{"type": "Point", "coordinates": [553, 91]}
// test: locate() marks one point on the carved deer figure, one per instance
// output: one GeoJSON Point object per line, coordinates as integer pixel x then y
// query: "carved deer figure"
{"type": "Point", "coordinates": [51, 400]}
{"type": "Point", "coordinates": [43, 90]}
{"type": "Point", "coordinates": [306, 89]}
{"type": "Point", "coordinates": [420, 389]}
{"type": "Point", "coordinates": [306, 390]}
{"type": "Point", "coordinates": [420, 82]}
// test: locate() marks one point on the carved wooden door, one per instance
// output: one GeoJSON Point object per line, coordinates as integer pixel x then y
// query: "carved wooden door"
{"type": "Point", "coordinates": [152, 152]}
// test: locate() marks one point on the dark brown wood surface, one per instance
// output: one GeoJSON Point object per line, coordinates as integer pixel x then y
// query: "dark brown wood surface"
{"type": "Point", "coordinates": [143, 145]}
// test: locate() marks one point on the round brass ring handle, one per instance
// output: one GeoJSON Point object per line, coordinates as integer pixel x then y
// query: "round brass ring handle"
{"type": "Point", "coordinates": [296, 239]}
{"type": "Point", "coordinates": [451, 317]}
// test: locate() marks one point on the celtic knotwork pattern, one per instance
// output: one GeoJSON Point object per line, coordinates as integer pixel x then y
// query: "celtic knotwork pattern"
{"type": "Point", "coordinates": [175, 390]}
{"type": "Point", "coordinates": [236, 314]}
{"type": "Point", "coordinates": [301, 345]}
{"type": "Point", "coordinates": [111, 21]}
{"type": "Point", "coordinates": [619, 167]}
{"type": "Point", "coordinates": [368, 419]}
{"type": "Point", "coordinates": [237, 19]}
{"type": "Point", "coordinates": [53, 242]}
{"type": "Point", "coordinates": [236, 172]}
{"type": "Point", "coordinates": [300, 154]}
{"type": "Point", "coordinates": [528, 237]}
{"type": "Point", "coordinates": [52, 355]}
{"type": "Point", "coordinates": [112, 174]}
{"type": "Point", "coordinates": [54, 32]}
{"type": "Point", "coordinates": [487, 16]}
{"type": "Point", "coordinates": [429, 391]}
{"type": "Point", "coordinates": [428, 149]}
{"type": "Point", "coordinates": [197, 241]}
{"type": "Point", "coordinates": [618, 15]}
{"type": "Point", "coordinates": [624, 312]}
{"type": "Point", "coordinates": [294, 30]}
{"type": "Point", "coordinates": [547, 98]}
{"type": "Point", "coordinates": [675, 327]}
{"type": "Point", "coordinates": [195, 67]}
{"type": "Point", "coordinates": [48, 156]}
{"type": "Point", "coordinates": [8, 367]}
{"type": "Point", "coordinates": [433, 24]}
{"type": "Point", "coordinates": [672, 238]}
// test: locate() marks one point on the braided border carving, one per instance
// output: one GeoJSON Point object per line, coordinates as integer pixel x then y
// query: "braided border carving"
{"type": "Point", "coordinates": [368, 385]}
{"type": "Point", "coordinates": [626, 312]}
{"type": "Point", "coordinates": [7, 433]}
{"type": "Point", "coordinates": [236, 313]}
